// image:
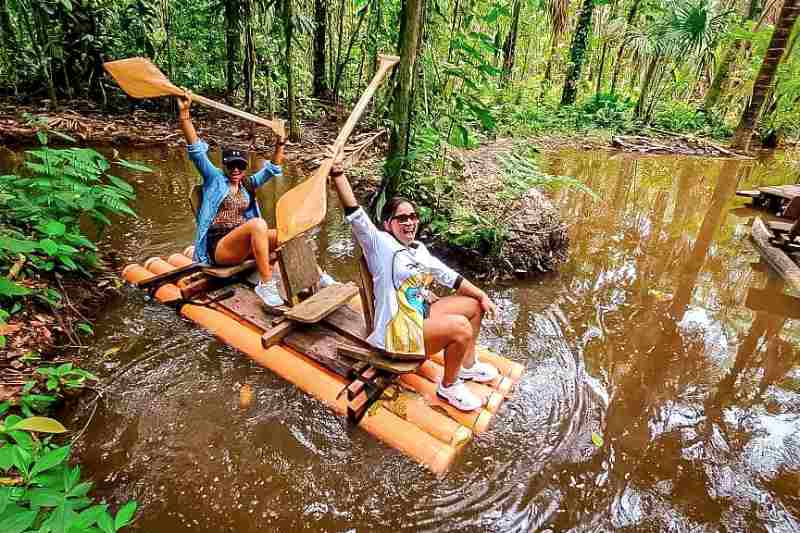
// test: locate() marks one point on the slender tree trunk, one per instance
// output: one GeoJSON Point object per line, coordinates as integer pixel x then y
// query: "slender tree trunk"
{"type": "Point", "coordinates": [406, 74]}
{"type": "Point", "coordinates": [340, 66]}
{"type": "Point", "coordinates": [291, 103]}
{"type": "Point", "coordinates": [548, 71]}
{"type": "Point", "coordinates": [232, 45]}
{"type": "Point", "coordinates": [340, 34]}
{"type": "Point", "coordinates": [578, 52]}
{"type": "Point", "coordinates": [7, 37]}
{"type": "Point", "coordinates": [766, 74]}
{"type": "Point", "coordinates": [621, 51]}
{"type": "Point", "coordinates": [320, 31]}
{"type": "Point", "coordinates": [731, 53]}
{"type": "Point", "coordinates": [456, 16]}
{"type": "Point", "coordinates": [648, 78]}
{"type": "Point", "coordinates": [510, 46]}
{"type": "Point", "coordinates": [249, 55]}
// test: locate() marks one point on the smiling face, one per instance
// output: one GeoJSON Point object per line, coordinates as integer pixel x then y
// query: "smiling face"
{"type": "Point", "coordinates": [403, 224]}
{"type": "Point", "coordinates": [235, 171]}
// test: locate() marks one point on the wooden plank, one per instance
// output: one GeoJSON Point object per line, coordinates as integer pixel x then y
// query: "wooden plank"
{"type": "Point", "coordinates": [367, 291]}
{"type": "Point", "coordinates": [322, 303]}
{"type": "Point", "coordinates": [248, 306]}
{"type": "Point", "coordinates": [777, 259]}
{"type": "Point", "coordinates": [348, 322]}
{"type": "Point", "coordinates": [377, 359]}
{"type": "Point", "coordinates": [748, 194]}
{"type": "Point", "coordinates": [772, 302]}
{"type": "Point", "coordinates": [779, 227]}
{"type": "Point", "coordinates": [298, 266]}
{"type": "Point", "coordinates": [230, 271]}
{"type": "Point", "coordinates": [277, 333]}
{"type": "Point", "coordinates": [320, 344]}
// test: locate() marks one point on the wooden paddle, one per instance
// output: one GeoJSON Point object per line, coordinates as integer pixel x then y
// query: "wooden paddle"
{"type": "Point", "coordinates": [304, 206]}
{"type": "Point", "coordinates": [140, 78]}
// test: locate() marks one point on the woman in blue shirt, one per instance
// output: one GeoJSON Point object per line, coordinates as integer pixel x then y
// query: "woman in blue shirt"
{"type": "Point", "coordinates": [229, 224]}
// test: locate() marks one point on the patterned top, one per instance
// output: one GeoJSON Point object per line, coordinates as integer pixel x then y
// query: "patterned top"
{"type": "Point", "coordinates": [231, 212]}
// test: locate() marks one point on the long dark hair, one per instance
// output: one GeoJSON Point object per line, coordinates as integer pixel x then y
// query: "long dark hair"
{"type": "Point", "coordinates": [391, 206]}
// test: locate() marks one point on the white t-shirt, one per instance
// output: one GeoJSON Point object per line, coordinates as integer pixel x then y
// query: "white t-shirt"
{"type": "Point", "coordinates": [401, 280]}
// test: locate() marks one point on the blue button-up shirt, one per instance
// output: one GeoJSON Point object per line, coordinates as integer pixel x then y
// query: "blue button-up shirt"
{"type": "Point", "coordinates": [215, 189]}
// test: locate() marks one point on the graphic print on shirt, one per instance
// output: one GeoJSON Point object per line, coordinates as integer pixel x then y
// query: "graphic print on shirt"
{"type": "Point", "coordinates": [404, 330]}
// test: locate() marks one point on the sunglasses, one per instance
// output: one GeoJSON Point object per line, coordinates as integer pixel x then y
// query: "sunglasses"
{"type": "Point", "coordinates": [236, 165]}
{"type": "Point", "coordinates": [402, 219]}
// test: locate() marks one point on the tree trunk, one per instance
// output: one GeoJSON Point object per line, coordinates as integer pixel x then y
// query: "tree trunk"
{"type": "Point", "coordinates": [232, 45]}
{"type": "Point", "coordinates": [249, 56]}
{"type": "Point", "coordinates": [578, 52]}
{"type": "Point", "coordinates": [320, 31]}
{"type": "Point", "coordinates": [618, 63]}
{"type": "Point", "coordinates": [548, 71]}
{"type": "Point", "coordinates": [766, 74]}
{"type": "Point", "coordinates": [648, 78]}
{"type": "Point", "coordinates": [340, 66]}
{"type": "Point", "coordinates": [510, 46]}
{"type": "Point", "coordinates": [7, 37]}
{"type": "Point", "coordinates": [291, 103]}
{"type": "Point", "coordinates": [721, 74]}
{"type": "Point", "coordinates": [406, 74]}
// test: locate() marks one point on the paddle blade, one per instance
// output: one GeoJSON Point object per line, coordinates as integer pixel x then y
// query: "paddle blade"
{"type": "Point", "coordinates": [140, 78]}
{"type": "Point", "coordinates": [304, 206]}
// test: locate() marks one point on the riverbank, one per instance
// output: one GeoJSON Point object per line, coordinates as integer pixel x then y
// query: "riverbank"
{"type": "Point", "coordinates": [89, 123]}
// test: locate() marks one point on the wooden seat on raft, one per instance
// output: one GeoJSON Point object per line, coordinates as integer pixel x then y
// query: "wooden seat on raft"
{"type": "Point", "coordinates": [785, 235]}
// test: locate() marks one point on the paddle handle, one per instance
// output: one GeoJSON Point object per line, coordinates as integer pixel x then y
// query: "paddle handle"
{"type": "Point", "coordinates": [385, 65]}
{"type": "Point", "coordinates": [274, 125]}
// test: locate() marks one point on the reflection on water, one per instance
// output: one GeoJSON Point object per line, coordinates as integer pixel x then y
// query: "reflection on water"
{"type": "Point", "coordinates": [661, 333]}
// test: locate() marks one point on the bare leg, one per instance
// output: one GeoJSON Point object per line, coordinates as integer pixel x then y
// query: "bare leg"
{"type": "Point", "coordinates": [470, 309]}
{"type": "Point", "coordinates": [251, 238]}
{"type": "Point", "coordinates": [451, 333]}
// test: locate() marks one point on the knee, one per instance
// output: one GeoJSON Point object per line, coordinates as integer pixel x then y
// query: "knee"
{"type": "Point", "coordinates": [461, 329]}
{"type": "Point", "coordinates": [259, 226]}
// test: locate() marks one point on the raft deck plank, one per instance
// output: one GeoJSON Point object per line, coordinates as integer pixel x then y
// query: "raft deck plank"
{"type": "Point", "coordinates": [322, 303]}
{"type": "Point", "coordinates": [320, 344]}
{"type": "Point", "coordinates": [246, 304]}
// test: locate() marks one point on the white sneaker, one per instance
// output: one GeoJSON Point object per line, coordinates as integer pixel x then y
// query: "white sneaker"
{"type": "Point", "coordinates": [268, 292]}
{"type": "Point", "coordinates": [459, 396]}
{"type": "Point", "coordinates": [326, 280]}
{"type": "Point", "coordinates": [480, 372]}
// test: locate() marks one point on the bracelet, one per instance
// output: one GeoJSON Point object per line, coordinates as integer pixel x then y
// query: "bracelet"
{"type": "Point", "coordinates": [185, 117]}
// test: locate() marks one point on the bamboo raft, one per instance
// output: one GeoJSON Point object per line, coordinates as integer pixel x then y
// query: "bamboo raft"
{"type": "Point", "coordinates": [778, 244]}
{"type": "Point", "coordinates": [395, 403]}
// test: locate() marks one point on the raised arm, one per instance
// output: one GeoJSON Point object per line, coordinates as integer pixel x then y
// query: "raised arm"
{"type": "Point", "coordinates": [343, 188]}
{"type": "Point", "coordinates": [184, 103]}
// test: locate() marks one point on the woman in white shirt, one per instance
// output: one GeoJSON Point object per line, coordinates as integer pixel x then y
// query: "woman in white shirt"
{"type": "Point", "coordinates": [409, 318]}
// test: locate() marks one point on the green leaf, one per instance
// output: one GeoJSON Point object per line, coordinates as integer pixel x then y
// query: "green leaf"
{"type": "Point", "coordinates": [125, 515]}
{"type": "Point", "coordinates": [42, 136]}
{"type": "Point", "coordinates": [40, 424]}
{"type": "Point", "coordinates": [17, 246]}
{"type": "Point", "coordinates": [80, 490]}
{"type": "Point", "coordinates": [49, 246]}
{"type": "Point", "coordinates": [6, 457]}
{"type": "Point", "coordinates": [90, 516]}
{"type": "Point", "coordinates": [5, 497]}
{"type": "Point", "coordinates": [106, 523]}
{"type": "Point", "coordinates": [53, 228]}
{"type": "Point", "coordinates": [46, 497]}
{"type": "Point", "coordinates": [16, 523]}
{"type": "Point", "coordinates": [597, 439]}
{"type": "Point", "coordinates": [85, 328]}
{"type": "Point", "coordinates": [133, 166]}
{"type": "Point", "coordinates": [51, 459]}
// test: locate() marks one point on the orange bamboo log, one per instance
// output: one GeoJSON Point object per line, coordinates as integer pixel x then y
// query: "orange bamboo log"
{"type": "Point", "coordinates": [478, 420]}
{"type": "Point", "coordinates": [134, 273]}
{"type": "Point", "coordinates": [501, 383]}
{"type": "Point", "coordinates": [507, 367]}
{"type": "Point", "coordinates": [491, 398]}
{"type": "Point", "coordinates": [179, 260]}
{"type": "Point", "coordinates": [412, 407]}
{"type": "Point", "coordinates": [408, 438]}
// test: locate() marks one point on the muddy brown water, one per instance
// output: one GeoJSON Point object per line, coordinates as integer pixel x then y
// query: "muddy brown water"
{"type": "Point", "coordinates": [661, 334]}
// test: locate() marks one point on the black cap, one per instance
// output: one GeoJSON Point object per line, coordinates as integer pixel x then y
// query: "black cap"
{"type": "Point", "coordinates": [230, 155]}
